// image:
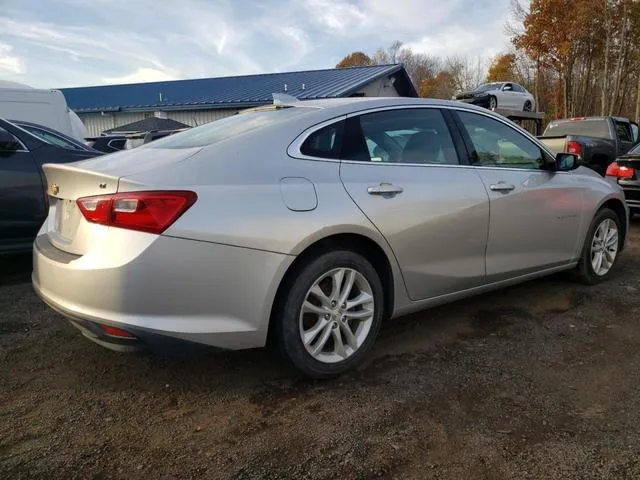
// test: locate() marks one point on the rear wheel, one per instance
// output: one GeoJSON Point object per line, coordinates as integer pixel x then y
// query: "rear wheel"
{"type": "Point", "coordinates": [493, 102]}
{"type": "Point", "coordinates": [331, 315]}
{"type": "Point", "coordinates": [601, 247]}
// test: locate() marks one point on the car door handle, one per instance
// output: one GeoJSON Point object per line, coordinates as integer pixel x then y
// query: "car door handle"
{"type": "Point", "coordinates": [385, 189]}
{"type": "Point", "coordinates": [502, 187]}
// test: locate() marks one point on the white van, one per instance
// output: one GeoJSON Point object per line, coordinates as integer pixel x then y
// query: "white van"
{"type": "Point", "coordinates": [43, 106]}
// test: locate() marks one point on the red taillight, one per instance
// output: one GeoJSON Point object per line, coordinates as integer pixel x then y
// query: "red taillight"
{"type": "Point", "coordinates": [115, 332]}
{"type": "Point", "coordinates": [574, 147]}
{"type": "Point", "coordinates": [620, 171]}
{"type": "Point", "coordinates": [151, 212]}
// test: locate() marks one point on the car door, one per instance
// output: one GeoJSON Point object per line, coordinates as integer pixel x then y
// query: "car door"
{"type": "Point", "coordinates": [535, 213]}
{"type": "Point", "coordinates": [22, 197]}
{"type": "Point", "coordinates": [509, 96]}
{"type": "Point", "coordinates": [519, 97]}
{"type": "Point", "coordinates": [402, 169]}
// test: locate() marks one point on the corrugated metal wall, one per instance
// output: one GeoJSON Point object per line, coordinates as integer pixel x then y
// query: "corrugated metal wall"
{"type": "Point", "coordinates": [97, 123]}
{"type": "Point", "coordinates": [199, 117]}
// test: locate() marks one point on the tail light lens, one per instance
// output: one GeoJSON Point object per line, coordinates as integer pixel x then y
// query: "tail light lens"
{"type": "Point", "coordinates": [620, 171]}
{"type": "Point", "coordinates": [151, 212]}
{"type": "Point", "coordinates": [574, 147]}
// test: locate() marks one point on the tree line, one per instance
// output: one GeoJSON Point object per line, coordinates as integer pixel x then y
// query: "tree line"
{"type": "Point", "coordinates": [577, 57]}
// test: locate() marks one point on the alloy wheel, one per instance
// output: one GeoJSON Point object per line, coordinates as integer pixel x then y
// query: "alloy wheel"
{"type": "Point", "coordinates": [336, 315]}
{"type": "Point", "coordinates": [604, 247]}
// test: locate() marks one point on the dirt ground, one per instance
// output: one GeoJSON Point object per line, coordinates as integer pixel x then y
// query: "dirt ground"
{"type": "Point", "coordinates": [540, 381]}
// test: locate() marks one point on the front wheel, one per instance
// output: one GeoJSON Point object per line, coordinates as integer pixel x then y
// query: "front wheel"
{"type": "Point", "coordinates": [601, 247]}
{"type": "Point", "coordinates": [527, 106]}
{"type": "Point", "coordinates": [331, 315]}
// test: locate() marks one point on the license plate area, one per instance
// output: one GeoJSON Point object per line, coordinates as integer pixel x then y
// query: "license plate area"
{"type": "Point", "coordinates": [67, 218]}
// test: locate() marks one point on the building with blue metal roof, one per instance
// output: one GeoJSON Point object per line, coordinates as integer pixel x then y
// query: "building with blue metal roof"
{"type": "Point", "coordinates": [199, 101]}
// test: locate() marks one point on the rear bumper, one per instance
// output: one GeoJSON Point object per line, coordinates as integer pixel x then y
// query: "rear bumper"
{"type": "Point", "coordinates": [163, 290]}
{"type": "Point", "coordinates": [631, 195]}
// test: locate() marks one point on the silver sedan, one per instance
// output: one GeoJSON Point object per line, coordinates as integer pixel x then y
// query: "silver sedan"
{"type": "Point", "coordinates": [306, 224]}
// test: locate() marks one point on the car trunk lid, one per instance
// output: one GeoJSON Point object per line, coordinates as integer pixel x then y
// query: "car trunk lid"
{"type": "Point", "coordinates": [65, 226]}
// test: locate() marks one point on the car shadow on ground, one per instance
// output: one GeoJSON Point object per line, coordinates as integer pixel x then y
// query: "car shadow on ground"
{"type": "Point", "coordinates": [15, 269]}
{"type": "Point", "coordinates": [434, 330]}
{"type": "Point", "coordinates": [222, 373]}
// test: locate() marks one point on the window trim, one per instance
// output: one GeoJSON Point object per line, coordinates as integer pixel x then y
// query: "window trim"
{"type": "Point", "coordinates": [24, 148]}
{"type": "Point", "coordinates": [293, 150]}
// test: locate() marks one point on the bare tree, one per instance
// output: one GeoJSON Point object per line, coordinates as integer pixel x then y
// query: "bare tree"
{"type": "Point", "coordinates": [467, 72]}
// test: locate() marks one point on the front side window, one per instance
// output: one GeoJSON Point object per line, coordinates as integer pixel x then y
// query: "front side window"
{"type": "Point", "coordinates": [498, 145]}
{"type": "Point", "coordinates": [413, 135]}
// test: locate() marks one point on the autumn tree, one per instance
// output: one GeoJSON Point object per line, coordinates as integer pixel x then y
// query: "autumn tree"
{"type": "Point", "coordinates": [440, 86]}
{"type": "Point", "coordinates": [502, 68]}
{"type": "Point", "coordinates": [552, 31]}
{"type": "Point", "coordinates": [355, 59]}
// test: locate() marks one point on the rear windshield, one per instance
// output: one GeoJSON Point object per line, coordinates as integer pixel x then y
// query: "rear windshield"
{"type": "Point", "coordinates": [227, 127]}
{"type": "Point", "coordinates": [589, 128]}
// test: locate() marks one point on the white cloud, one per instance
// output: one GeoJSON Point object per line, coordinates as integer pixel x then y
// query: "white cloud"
{"type": "Point", "coordinates": [337, 16]}
{"type": "Point", "coordinates": [10, 63]}
{"type": "Point", "coordinates": [80, 42]}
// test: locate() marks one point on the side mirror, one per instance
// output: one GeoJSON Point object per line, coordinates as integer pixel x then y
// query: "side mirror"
{"type": "Point", "coordinates": [566, 162]}
{"type": "Point", "coordinates": [507, 88]}
{"type": "Point", "coordinates": [8, 143]}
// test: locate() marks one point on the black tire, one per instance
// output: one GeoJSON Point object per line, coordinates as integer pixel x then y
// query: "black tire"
{"type": "Point", "coordinates": [527, 106]}
{"type": "Point", "coordinates": [286, 321]}
{"type": "Point", "coordinates": [493, 102]}
{"type": "Point", "coordinates": [584, 272]}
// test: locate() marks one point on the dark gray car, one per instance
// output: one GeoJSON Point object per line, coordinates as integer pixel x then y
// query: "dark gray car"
{"type": "Point", "coordinates": [24, 148]}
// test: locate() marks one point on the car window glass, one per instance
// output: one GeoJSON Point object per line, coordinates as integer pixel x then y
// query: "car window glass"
{"type": "Point", "coordinates": [507, 87]}
{"type": "Point", "coordinates": [228, 127]}
{"type": "Point", "coordinates": [50, 138]}
{"type": "Point", "coordinates": [324, 143]}
{"type": "Point", "coordinates": [14, 138]}
{"type": "Point", "coordinates": [517, 88]}
{"type": "Point", "coordinates": [416, 135]}
{"type": "Point", "coordinates": [496, 144]}
{"type": "Point", "coordinates": [623, 130]}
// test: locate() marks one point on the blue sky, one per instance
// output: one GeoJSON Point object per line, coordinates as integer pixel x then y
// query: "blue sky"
{"type": "Point", "coordinates": [62, 43]}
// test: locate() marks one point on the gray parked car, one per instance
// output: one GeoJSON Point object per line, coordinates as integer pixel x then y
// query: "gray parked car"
{"type": "Point", "coordinates": [308, 223]}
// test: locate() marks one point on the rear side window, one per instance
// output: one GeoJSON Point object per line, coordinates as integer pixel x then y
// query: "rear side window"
{"type": "Point", "coordinates": [412, 135]}
{"type": "Point", "coordinates": [228, 127]}
{"type": "Point", "coordinates": [623, 130]}
{"type": "Point", "coordinates": [589, 128]}
{"type": "Point", "coordinates": [50, 138]}
{"type": "Point", "coordinates": [324, 143]}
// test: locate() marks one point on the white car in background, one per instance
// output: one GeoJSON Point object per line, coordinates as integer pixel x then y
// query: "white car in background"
{"type": "Point", "coordinates": [508, 95]}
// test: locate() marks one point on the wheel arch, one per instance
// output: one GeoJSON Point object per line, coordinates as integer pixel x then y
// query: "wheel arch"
{"type": "Point", "coordinates": [620, 209]}
{"type": "Point", "coordinates": [357, 242]}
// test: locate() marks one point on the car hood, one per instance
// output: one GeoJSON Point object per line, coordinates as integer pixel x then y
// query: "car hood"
{"type": "Point", "coordinates": [470, 93]}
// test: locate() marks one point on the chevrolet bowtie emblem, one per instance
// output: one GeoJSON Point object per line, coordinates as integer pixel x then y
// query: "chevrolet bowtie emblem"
{"type": "Point", "coordinates": [54, 189]}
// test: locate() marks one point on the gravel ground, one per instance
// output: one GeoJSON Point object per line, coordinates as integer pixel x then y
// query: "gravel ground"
{"type": "Point", "coordinates": [535, 382]}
